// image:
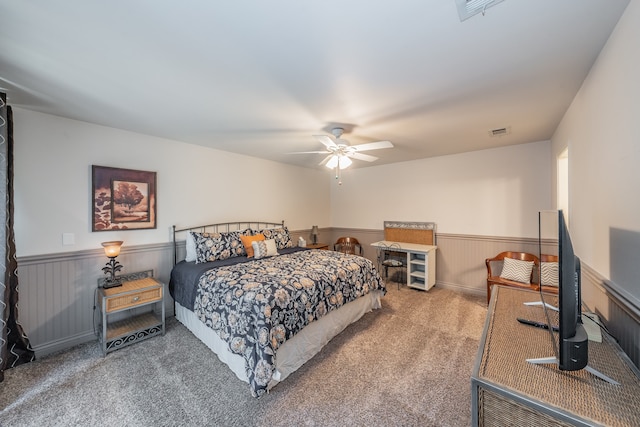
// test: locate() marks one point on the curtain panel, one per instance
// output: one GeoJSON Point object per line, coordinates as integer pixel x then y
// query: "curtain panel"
{"type": "Point", "coordinates": [15, 348]}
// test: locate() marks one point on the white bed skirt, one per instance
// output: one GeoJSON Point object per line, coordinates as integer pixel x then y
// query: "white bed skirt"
{"type": "Point", "coordinates": [295, 351]}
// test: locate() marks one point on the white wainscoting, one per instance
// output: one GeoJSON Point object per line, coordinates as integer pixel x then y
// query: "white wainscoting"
{"type": "Point", "coordinates": [461, 259]}
{"type": "Point", "coordinates": [622, 321]}
{"type": "Point", "coordinates": [56, 303]}
{"type": "Point", "coordinates": [625, 326]}
{"type": "Point", "coordinates": [56, 292]}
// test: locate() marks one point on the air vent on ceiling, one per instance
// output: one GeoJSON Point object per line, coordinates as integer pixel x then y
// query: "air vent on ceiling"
{"type": "Point", "coordinates": [500, 131]}
{"type": "Point", "coordinates": [468, 8]}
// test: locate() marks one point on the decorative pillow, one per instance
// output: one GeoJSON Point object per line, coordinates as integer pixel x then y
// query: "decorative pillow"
{"type": "Point", "coordinates": [549, 274]}
{"type": "Point", "coordinates": [218, 246]}
{"type": "Point", "coordinates": [280, 235]}
{"type": "Point", "coordinates": [247, 240]}
{"type": "Point", "coordinates": [264, 248]}
{"type": "Point", "coordinates": [517, 270]}
{"type": "Point", "coordinates": [190, 244]}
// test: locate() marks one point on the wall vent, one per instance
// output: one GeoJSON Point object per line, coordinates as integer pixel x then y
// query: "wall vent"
{"type": "Point", "coordinates": [468, 8]}
{"type": "Point", "coordinates": [500, 131]}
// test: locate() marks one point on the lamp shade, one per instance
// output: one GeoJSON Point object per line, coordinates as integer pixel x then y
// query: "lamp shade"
{"type": "Point", "coordinates": [333, 162]}
{"type": "Point", "coordinates": [314, 230]}
{"type": "Point", "coordinates": [112, 249]}
{"type": "Point", "coordinates": [344, 162]}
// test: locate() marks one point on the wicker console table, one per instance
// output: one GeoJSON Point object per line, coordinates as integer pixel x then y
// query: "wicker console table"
{"type": "Point", "coordinates": [506, 390]}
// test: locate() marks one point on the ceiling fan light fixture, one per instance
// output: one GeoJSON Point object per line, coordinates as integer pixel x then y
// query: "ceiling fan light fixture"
{"type": "Point", "coordinates": [339, 153]}
{"type": "Point", "coordinates": [344, 162]}
{"type": "Point", "coordinates": [339, 161]}
{"type": "Point", "coordinates": [333, 162]}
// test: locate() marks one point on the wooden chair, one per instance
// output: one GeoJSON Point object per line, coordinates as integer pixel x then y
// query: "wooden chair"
{"type": "Point", "coordinates": [493, 279]}
{"type": "Point", "coordinates": [348, 245]}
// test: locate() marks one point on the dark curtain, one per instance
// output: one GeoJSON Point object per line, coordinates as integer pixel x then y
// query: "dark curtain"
{"type": "Point", "coordinates": [15, 348]}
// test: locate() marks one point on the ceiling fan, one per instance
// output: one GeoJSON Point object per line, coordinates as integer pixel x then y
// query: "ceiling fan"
{"type": "Point", "coordinates": [339, 152]}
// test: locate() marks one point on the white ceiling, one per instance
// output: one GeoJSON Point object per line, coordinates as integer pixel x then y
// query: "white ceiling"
{"type": "Point", "coordinates": [261, 77]}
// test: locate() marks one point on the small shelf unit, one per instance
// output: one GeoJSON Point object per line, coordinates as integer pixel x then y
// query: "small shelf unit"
{"type": "Point", "coordinates": [421, 269]}
{"type": "Point", "coordinates": [416, 263]}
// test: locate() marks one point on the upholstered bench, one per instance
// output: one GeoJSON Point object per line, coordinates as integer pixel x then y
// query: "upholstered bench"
{"type": "Point", "coordinates": [520, 270]}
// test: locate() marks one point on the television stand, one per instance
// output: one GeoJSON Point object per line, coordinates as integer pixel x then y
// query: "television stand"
{"type": "Point", "coordinates": [554, 361]}
{"type": "Point", "coordinates": [507, 390]}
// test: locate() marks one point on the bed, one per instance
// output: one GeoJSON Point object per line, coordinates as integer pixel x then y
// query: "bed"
{"type": "Point", "coordinates": [262, 305]}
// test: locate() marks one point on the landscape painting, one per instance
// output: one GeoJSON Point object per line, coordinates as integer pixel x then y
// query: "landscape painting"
{"type": "Point", "coordinates": [123, 199]}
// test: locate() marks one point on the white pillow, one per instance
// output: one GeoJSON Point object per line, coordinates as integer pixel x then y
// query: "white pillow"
{"type": "Point", "coordinates": [264, 248]}
{"type": "Point", "coordinates": [517, 270]}
{"type": "Point", "coordinates": [191, 247]}
{"type": "Point", "coordinates": [549, 274]}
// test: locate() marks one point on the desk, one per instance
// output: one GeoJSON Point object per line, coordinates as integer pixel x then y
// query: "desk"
{"type": "Point", "coordinates": [421, 262]}
{"type": "Point", "coordinates": [506, 390]}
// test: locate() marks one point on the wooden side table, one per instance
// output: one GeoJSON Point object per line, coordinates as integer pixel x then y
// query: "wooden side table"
{"type": "Point", "coordinates": [132, 324]}
{"type": "Point", "coordinates": [324, 246]}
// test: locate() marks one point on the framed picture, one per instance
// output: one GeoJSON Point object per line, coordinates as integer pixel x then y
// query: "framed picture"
{"type": "Point", "coordinates": [122, 199]}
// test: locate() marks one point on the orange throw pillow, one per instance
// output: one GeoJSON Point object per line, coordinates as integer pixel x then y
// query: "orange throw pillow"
{"type": "Point", "coordinates": [246, 241]}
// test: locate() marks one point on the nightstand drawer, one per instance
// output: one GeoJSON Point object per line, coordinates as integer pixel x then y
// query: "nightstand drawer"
{"type": "Point", "coordinates": [133, 299]}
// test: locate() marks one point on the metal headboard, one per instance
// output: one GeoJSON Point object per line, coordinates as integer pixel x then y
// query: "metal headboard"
{"type": "Point", "coordinates": [219, 228]}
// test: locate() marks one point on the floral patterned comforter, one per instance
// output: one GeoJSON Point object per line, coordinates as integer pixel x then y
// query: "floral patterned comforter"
{"type": "Point", "coordinates": [256, 306]}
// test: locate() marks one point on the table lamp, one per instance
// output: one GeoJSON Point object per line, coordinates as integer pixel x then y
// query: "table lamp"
{"type": "Point", "coordinates": [314, 234]}
{"type": "Point", "coordinates": [112, 250]}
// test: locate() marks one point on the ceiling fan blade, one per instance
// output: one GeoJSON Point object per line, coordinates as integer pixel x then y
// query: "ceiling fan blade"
{"type": "Point", "coordinates": [309, 152]}
{"type": "Point", "coordinates": [324, 139]}
{"type": "Point", "coordinates": [365, 157]}
{"type": "Point", "coordinates": [373, 146]}
{"type": "Point", "coordinates": [326, 159]}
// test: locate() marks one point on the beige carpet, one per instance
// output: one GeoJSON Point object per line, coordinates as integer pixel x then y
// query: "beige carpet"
{"type": "Point", "coordinates": [407, 364]}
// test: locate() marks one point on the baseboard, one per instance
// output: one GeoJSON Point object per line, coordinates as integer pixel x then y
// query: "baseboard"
{"type": "Point", "coordinates": [461, 288]}
{"type": "Point", "coordinates": [64, 344]}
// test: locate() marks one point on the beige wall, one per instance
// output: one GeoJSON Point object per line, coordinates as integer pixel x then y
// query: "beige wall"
{"type": "Point", "coordinates": [602, 131]}
{"type": "Point", "coordinates": [486, 192]}
{"type": "Point", "coordinates": [53, 158]}
{"type": "Point", "coordinates": [495, 192]}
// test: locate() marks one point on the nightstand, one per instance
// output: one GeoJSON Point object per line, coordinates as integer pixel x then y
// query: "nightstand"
{"type": "Point", "coordinates": [124, 320]}
{"type": "Point", "coordinates": [318, 246]}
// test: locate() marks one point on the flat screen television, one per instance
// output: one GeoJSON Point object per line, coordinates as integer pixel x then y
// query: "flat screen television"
{"type": "Point", "coordinates": [572, 337]}
{"type": "Point", "coordinates": [572, 345]}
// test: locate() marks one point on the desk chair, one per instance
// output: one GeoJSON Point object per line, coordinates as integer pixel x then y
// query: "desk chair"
{"type": "Point", "coordinates": [390, 257]}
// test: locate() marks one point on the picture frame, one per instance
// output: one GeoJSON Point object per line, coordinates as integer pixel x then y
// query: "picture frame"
{"type": "Point", "coordinates": [122, 199]}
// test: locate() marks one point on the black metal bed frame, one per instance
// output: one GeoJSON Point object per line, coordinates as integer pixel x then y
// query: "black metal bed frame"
{"type": "Point", "coordinates": [219, 228]}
